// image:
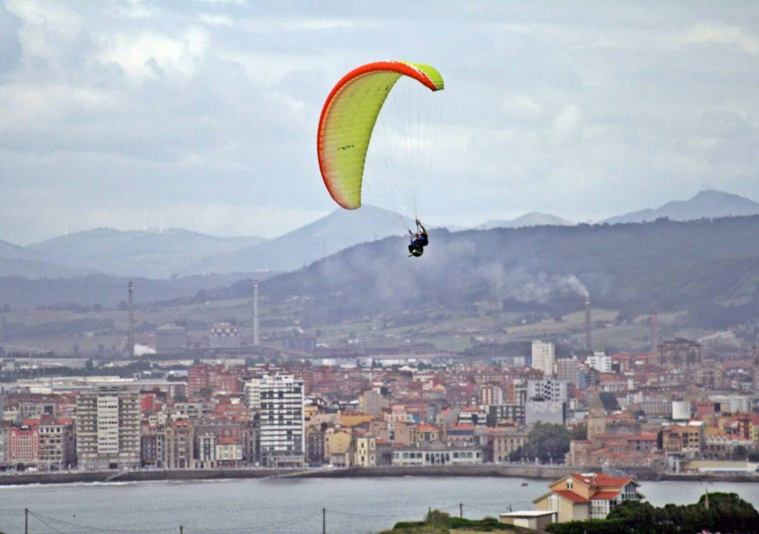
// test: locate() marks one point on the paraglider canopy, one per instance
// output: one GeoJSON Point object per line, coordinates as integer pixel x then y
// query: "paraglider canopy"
{"type": "Point", "coordinates": [348, 119]}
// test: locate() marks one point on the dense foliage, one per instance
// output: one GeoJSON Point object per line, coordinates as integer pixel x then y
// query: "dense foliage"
{"type": "Point", "coordinates": [546, 442]}
{"type": "Point", "coordinates": [610, 402]}
{"type": "Point", "coordinates": [726, 513]}
{"type": "Point", "coordinates": [438, 522]}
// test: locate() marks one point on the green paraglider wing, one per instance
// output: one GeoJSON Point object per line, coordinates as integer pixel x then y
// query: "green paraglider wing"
{"type": "Point", "coordinates": [348, 118]}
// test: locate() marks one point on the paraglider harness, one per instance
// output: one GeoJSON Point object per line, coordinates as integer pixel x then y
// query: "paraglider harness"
{"type": "Point", "coordinates": [418, 240]}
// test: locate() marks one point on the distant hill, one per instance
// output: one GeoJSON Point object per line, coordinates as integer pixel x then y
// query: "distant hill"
{"type": "Point", "coordinates": [9, 251]}
{"type": "Point", "coordinates": [148, 254]}
{"type": "Point", "coordinates": [38, 269]}
{"type": "Point", "coordinates": [109, 291]}
{"type": "Point", "coordinates": [527, 220]}
{"type": "Point", "coordinates": [705, 205]}
{"type": "Point", "coordinates": [20, 261]}
{"type": "Point", "coordinates": [339, 230]}
{"type": "Point", "coordinates": [701, 266]}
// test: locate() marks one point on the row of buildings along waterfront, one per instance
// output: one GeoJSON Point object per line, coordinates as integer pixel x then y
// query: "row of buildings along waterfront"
{"type": "Point", "coordinates": [670, 410]}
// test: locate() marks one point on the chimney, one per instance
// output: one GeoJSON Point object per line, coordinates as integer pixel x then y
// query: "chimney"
{"type": "Point", "coordinates": [130, 331]}
{"type": "Point", "coordinates": [256, 331]}
{"type": "Point", "coordinates": [654, 333]}
{"type": "Point", "coordinates": [588, 342]}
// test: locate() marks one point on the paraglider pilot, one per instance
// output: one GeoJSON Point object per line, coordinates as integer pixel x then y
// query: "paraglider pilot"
{"type": "Point", "coordinates": [419, 240]}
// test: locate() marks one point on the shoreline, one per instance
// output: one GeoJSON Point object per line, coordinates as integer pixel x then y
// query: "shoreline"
{"type": "Point", "coordinates": [536, 472]}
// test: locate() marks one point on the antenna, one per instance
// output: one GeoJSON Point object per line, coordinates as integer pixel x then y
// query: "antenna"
{"type": "Point", "coordinates": [130, 327]}
{"type": "Point", "coordinates": [256, 332]}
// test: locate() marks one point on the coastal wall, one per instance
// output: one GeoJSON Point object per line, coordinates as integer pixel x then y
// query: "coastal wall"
{"type": "Point", "coordinates": [549, 472]}
{"type": "Point", "coordinates": [526, 471]}
{"type": "Point", "coordinates": [545, 472]}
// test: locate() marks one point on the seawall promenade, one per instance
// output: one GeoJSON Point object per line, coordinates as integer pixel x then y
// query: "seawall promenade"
{"type": "Point", "coordinates": [547, 472]}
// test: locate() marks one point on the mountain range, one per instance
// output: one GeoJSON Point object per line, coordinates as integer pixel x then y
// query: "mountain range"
{"type": "Point", "coordinates": [707, 267]}
{"type": "Point", "coordinates": [527, 220]}
{"type": "Point", "coordinates": [149, 254]}
{"type": "Point", "coordinates": [707, 204]}
{"type": "Point", "coordinates": [339, 230]}
{"type": "Point", "coordinates": [159, 255]}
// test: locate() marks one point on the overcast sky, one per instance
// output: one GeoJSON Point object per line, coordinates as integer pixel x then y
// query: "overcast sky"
{"type": "Point", "coordinates": [206, 111]}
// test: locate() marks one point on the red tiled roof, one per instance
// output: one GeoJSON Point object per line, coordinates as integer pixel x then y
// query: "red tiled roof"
{"type": "Point", "coordinates": [642, 437]}
{"type": "Point", "coordinates": [570, 496]}
{"type": "Point", "coordinates": [601, 479]}
{"type": "Point", "coordinates": [604, 495]}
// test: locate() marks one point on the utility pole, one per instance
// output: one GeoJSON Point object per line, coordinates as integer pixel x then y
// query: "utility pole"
{"type": "Point", "coordinates": [461, 510]}
{"type": "Point", "coordinates": [26, 520]}
{"type": "Point", "coordinates": [181, 529]}
{"type": "Point", "coordinates": [324, 521]}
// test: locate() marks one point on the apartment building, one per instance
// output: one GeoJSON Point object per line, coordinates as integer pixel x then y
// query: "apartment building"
{"type": "Point", "coordinates": [282, 422]}
{"type": "Point", "coordinates": [108, 429]}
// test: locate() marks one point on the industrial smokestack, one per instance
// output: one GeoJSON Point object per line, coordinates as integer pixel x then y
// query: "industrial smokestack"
{"type": "Point", "coordinates": [654, 333]}
{"type": "Point", "coordinates": [130, 331]}
{"type": "Point", "coordinates": [256, 332]}
{"type": "Point", "coordinates": [588, 341]}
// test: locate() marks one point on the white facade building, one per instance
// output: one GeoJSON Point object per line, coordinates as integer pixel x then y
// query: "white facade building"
{"type": "Point", "coordinates": [108, 429]}
{"type": "Point", "coordinates": [253, 393]}
{"type": "Point", "coordinates": [282, 423]}
{"type": "Point", "coordinates": [549, 390]}
{"type": "Point", "coordinates": [544, 357]}
{"type": "Point", "coordinates": [600, 362]}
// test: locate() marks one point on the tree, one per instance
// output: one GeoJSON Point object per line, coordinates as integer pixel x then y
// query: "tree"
{"type": "Point", "coordinates": [609, 400]}
{"type": "Point", "coordinates": [740, 452]}
{"type": "Point", "coordinates": [545, 442]}
{"type": "Point", "coordinates": [580, 432]}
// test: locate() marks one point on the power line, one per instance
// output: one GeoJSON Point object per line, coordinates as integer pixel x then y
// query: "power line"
{"type": "Point", "coordinates": [355, 514]}
{"type": "Point", "coordinates": [256, 528]}
{"type": "Point", "coordinates": [99, 529]}
{"type": "Point", "coordinates": [48, 525]}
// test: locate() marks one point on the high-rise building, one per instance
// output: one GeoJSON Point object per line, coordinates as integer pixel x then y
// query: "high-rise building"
{"type": "Point", "coordinates": [680, 354]}
{"type": "Point", "coordinates": [568, 370]}
{"type": "Point", "coordinates": [547, 390]}
{"type": "Point", "coordinates": [282, 423]}
{"type": "Point", "coordinates": [253, 393]}
{"type": "Point", "coordinates": [491, 394]}
{"type": "Point", "coordinates": [197, 379]}
{"type": "Point", "coordinates": [4, 431]}
{"type": "Point", "coordinates": [600, 362]}
{"type": "Point", "coordinates": [24, 445]}
{"type": "Point", "coordinates": [544, 357]}
{"type": "Point", "coordinates": [180, 445]}
{"type": "Point", "coordinates": [108, 429]}
{"type": "Point", "coordinates": [57, 449]}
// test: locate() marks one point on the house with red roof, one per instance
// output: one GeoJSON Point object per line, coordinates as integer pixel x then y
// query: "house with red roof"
{"type": "Point", "coordinates": [582, 496]}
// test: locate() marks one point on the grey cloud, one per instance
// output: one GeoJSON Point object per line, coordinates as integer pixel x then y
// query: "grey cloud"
{"type": "Point", "coordinates": [584, 111]}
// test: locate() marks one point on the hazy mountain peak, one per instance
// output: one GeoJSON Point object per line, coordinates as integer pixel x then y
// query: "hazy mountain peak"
{"type": "Point", "coordinates": [333, 232]}
{"type": "Point", "coordinates": [529, 219]}
{"type": "Point", "coordinates": [707, 204]}
{"type": "Point", "coordinates": [148, 253]}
